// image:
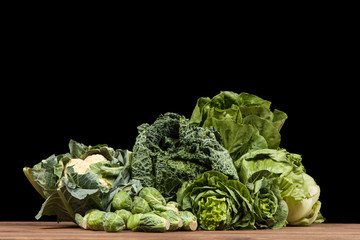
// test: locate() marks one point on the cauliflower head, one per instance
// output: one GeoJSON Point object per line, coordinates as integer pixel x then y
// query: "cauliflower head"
{"type": "Point", "coordinates": [81, 166]}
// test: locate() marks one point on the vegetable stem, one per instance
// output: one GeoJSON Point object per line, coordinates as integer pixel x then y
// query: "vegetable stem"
{"type": "Point", "coordinates": [66, 204]}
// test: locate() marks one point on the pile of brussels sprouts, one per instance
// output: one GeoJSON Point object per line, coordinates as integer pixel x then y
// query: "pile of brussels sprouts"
{"type": "Point", "coordinates": [147, 212]}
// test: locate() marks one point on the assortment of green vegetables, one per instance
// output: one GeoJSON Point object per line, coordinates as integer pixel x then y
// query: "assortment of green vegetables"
{"type": "Point", "coordinates": [221, 169]}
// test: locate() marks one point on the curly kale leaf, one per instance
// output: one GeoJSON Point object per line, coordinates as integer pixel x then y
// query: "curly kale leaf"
{"type": "Point", "coordinates": [171, 151]}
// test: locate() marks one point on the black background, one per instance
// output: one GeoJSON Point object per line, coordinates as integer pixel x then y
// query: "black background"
{"type": "Point", "coordinates": [72, 84]}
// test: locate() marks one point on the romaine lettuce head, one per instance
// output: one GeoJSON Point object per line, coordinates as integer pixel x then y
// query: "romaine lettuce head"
{"type": "Point", "coordinates": [172, 151]}
{"type": "Point", "coordinates": [297, 188]}
{"type": "Point", "coordinates": [85, 178]}
{"type": "Point", "coordinates": [244, 121]}
{"type": "Point", "coordinates": [217, 202]}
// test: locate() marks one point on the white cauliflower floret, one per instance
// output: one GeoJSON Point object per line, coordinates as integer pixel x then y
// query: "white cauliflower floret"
{"type": "Point", "coordinates": [80, 166]}
{"type": "Point", "coordinates": [95, 158]}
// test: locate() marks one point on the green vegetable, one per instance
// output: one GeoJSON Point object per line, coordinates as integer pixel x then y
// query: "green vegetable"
{"type": "Point", "coordinates": [217, 202]}
{"type": "Point", "coordinates": [95, 220]}
{"type": "Point", "coordinates": [124, 214]}
{"type": "Point", "coordinates": [140, 205]}
{"type": "Point", "coordinates": [189, 220]}
{"type": "Point", "coordinates": [122, 200]}
{"type": "Point", "coordinates": [306, 211]}
{"type": "Point", "coordinates": [270, 209]}
{"type": "Point", "coordinates": [297, 188]}
{"type": "Point", "coordinates": [173, 206]}
{"type": "Point", "coordinates": [244, 121]}
{"type": "Point", "coordinates": [172, 151]}
{"type": "Point", "coordinates": [152, 196]}
{"type": "Point", "coordinates": [83, 224]}
{"type": "Point", "coordinates": [148, 222]}
{"type": "Point", "coordinates": [113, 222]}
{"type": "Point", "coordinates": [174, 220]}
{"type": "Point", "coordinates": [224, 167]}
{"type": "Point", "coordinates": [85, 178]}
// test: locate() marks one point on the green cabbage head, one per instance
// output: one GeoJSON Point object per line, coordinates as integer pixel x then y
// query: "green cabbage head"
{"type": "Point", "coordinates": [270, 208]}
{"type": "Point", "coordinates": [306, 211]}
{"type": "Point", "coordinates": [217, 202]}
{"type": "Point", "coordinates": [298, 189]}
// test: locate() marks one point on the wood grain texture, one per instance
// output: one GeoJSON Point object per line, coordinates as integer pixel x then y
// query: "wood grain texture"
{"type": "Point", "coordinates": [68, 230]}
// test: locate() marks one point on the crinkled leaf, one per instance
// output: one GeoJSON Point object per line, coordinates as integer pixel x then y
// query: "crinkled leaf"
{"type": "Point", "coordinates": [172, 151]}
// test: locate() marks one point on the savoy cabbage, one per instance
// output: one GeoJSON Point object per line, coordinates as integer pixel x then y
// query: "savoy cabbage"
{"type": "Point", "coordinates": [171, 151]}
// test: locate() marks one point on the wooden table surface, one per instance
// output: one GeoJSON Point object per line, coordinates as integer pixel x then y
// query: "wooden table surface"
{"type": "Point", "coordinates": [68, 230]}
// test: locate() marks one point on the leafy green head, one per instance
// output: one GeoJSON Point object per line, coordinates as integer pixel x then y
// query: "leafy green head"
{"type": "Point", "coordinates": [297, 189]}
{"type": "Point", "coordinates": [171, 151]}
{"type": "Point", "coordinates": [112, 222]}
{"type": "Point", "coordinates": [148, 222]}
{"type": "Point", "coordinates": [218, 203]}
{"type": "Point", "coordinates": [95, 220]}
{"type": "Point", "coordinates": [270, 209]}
{"type": "Point", "coordinates": [213, 212]}
{"type": "Point", "coordinates": [152, 196]}
{"type": "Point", "coordinates": [140, 205]}
{"type": "Point", "coordinates": [124, 214]}
{"type": "Point", "coordinates": [122, 200]}
{"type": "Point", "coordinates": [307, 210]}
{"type": "Point", "coordinates": [87, 177]}
{"type": "Point", "coordinates": [244, 121]}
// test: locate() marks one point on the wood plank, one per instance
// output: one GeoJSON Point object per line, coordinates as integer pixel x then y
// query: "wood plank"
{"type": "Point", "coordinates": [68, 230]}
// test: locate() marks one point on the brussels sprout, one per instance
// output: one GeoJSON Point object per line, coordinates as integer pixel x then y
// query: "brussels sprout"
{"type": "Point", "coordinates": [124, 214]}
{"type": "Point", "coordinates": [148, 222]}
{"type": "Point", "coordinates": [113, 222]}
{"type": "Point", "coordinates": [83, 223]}
{"type": "Point", "coordinates": [140, 205]}
{"type": "Point", "coordinates": [173, 206]}
{"type": "Point", "coordinates": [122, 200]}
{"type": "Point", "coordinates": [189, 220]}
{"type": "Point", "coordinates": [152, 196]}
{"type": "Point", "coordinates": [133, 221]}
{"type": "Point", "coordinates": [174, 220]}
{"type": "Point", "coordinates": [95, 220]}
